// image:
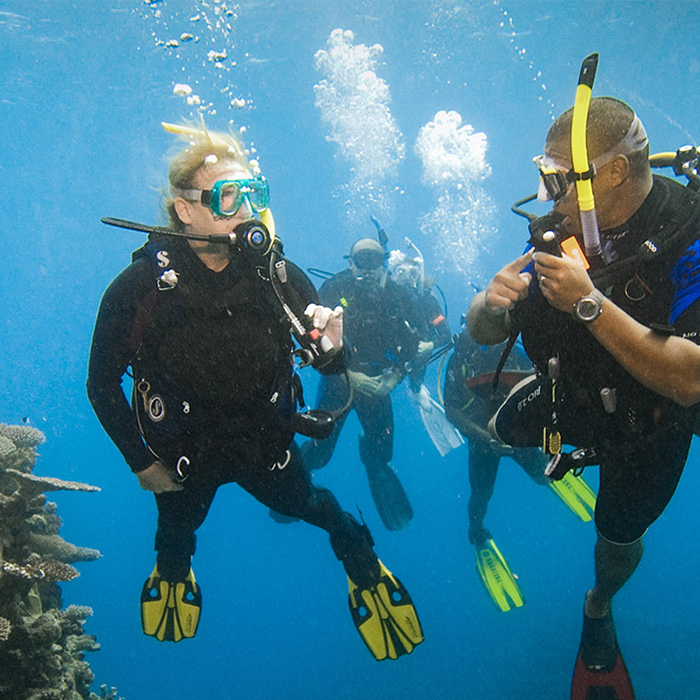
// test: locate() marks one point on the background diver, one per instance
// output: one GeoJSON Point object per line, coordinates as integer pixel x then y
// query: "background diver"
{"type": "Point", "coordinates": [198, 321]}
{"type": "Point", "coordinates": [380, 338]}
{"type": "Point", "coordinates": [470, 401]}
{"type": "Point", "coordinates": [615, 345]}
{"type": "Point", "coordinates": [406, 269]}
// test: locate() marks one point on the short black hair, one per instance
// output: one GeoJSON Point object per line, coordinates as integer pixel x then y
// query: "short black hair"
{"type": "Point", "coordinates": [609, 120]}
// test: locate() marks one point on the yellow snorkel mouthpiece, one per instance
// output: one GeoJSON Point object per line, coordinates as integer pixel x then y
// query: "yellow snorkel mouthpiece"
{"type": "Point", "coordinates": [579, 155]}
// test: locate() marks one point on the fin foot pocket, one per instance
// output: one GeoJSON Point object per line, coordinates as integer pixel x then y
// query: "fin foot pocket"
{"type": "Point", "coordinates": [600, 672]}
{"type": "Point", "coordinates": [170, 610]}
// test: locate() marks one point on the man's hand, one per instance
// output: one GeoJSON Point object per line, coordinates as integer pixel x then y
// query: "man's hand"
{"type": "Point", "coordinates": [425, 349]}
{"type": "Point", "coordinates": [488, 318]}
{"type": "Point", "coordinates": [158, 478]}
{"type": "Point", "coordinates": [387, 382]}
{"type": "Point", "coordinates": [328, 321]}
{"type": "Point", "coordinates": [509, 285]}
{"type": "Point", "coordinates": [363, 383]}
{"type": "Point", "coordinates": [563, 281]}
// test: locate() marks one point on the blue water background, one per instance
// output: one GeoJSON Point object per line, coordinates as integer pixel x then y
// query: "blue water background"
{"type": "Point", "coordinates": [85, 87]}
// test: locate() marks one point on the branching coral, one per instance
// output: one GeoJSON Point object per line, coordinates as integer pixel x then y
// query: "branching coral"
{"type": "Point", "coordinates": [41, 568]}
{"type": "Point", "coordinates": [22, 435]}
{"type": "Point", "coordinates": [42, 647]}
{"type": "Point", "coordinates": [7, 447]}
{"type": "Point", "coordinates": [105, 694]}
{"type": "Point", "coordinates": [56, 547]}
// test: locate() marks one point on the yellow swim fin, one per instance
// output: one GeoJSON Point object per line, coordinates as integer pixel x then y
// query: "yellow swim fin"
{"type": "Point", "coordinates": [385, 617]}
{"type": "Point", "coordinates": [497, 577]}
{"type": "Point", "coordinates": [577, 495]}
{"type": "Point", "coordinates": [170, 609]}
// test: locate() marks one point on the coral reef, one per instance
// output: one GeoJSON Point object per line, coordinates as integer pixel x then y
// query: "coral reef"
{"type": "Point", "coordinates": [42, 646]}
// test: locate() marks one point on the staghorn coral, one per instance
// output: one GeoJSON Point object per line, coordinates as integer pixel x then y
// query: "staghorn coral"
{"type": "Point", "coordinates": [42, 647]}
{"type": "Point", "coordinates": [77, 613]}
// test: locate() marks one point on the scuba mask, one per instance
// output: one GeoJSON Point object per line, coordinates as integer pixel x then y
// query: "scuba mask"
{"type": "Point", "coordinates": [368, 266]}
{"type": "Point", "coordinates": [554, 181]}
{"type": "Point", "coordinates": [368, 260]}
{"type": "Point", "coordinates": [226, 196]}
{"type": "Point", "coordinates": [407, 275]}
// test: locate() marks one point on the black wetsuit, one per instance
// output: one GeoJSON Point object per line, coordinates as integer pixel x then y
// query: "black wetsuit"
{"type": "Point", "coordinates": [432, 327]}
{"type": "Point", "coordinates": [642, 444]}
{"type": "Point", "coordinates": [470, 401]}
{"type": "Point", "coordinates": [213, 375]}
{"type": "Point", "coordinates": [377, 338]}
{"type": "Point", "coordinates": [379, 332]}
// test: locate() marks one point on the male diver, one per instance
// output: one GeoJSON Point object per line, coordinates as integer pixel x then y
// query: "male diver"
{"type": "Point", "coordinates": [612, 327]}
{"type": "Point", "coordinates": [203, 321]}
{"type": "Point", "coordinates": [380, 339]}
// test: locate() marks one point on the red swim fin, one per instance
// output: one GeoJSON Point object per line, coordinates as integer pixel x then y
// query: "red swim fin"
{"type": "Point", "coordinates": [614, 684]}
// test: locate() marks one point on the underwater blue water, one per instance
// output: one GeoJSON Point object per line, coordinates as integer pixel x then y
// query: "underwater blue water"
{"type": "Point", "coordinates": [85, 86]}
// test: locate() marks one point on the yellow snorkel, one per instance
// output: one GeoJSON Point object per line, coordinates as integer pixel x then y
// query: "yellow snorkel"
{"type": "Point", "coordinates": [582, 167]}
{"type": "Point", "coordinates": [265, 215]}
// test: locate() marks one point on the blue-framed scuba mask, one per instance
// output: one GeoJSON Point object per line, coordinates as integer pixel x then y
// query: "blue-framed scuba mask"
{"type": "Point", "coordinates": [226, 196]}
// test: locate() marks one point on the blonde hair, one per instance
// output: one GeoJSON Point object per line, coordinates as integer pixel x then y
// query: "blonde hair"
{"type": "Point", "coordinates": [204, 149]}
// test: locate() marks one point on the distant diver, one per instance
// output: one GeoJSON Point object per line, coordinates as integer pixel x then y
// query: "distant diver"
{"type": "Point", "coordinates": [381, 336]}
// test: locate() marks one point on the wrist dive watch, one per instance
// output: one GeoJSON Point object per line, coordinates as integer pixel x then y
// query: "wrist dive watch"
{"type": "Point", "coordinates": [589, 306]}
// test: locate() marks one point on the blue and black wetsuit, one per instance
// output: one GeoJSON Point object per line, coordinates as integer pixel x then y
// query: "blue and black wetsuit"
{"type": "Point", "coordinates": [642, 444]}
{"type": "Point", "coordinates": [213, 380]}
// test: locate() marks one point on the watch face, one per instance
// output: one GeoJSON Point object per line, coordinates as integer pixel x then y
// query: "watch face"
{"type": "Point", "coordinates": [587, 308]}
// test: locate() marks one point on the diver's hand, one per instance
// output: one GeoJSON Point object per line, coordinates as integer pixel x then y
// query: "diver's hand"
{"type": "Point", "coordinates": [563, 281]}
{"type": "Point", "coordinates": [363, 383]}
{"type": "Point", "coordinates": [157, 478]}
{"type": "Point", "coordinates": [509, 285]}
{"type": "Point", "coordinates": [329, 322]}
{"type": "Point", "coordinates": [488, 317]}
{"type": "Point", "coordinates": [425, 349]}
{"type": "Point", "coordinates": [387, 382]}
